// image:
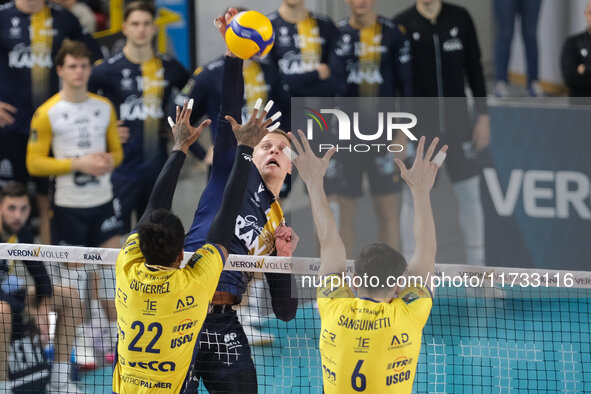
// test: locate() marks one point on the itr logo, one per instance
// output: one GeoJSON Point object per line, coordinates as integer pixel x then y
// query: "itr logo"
{"type": "Point", "coordinates": [388, 122]}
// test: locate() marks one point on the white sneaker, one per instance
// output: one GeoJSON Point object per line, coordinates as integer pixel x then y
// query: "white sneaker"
{"type": "Point", "coordinates": [501, 89]}
{"type": "Point", "coordinates": [63, 387]}
{"type": "Point", "coordinates": [535, 89]}
{"type": "Point", "coordinates": [256, 337]}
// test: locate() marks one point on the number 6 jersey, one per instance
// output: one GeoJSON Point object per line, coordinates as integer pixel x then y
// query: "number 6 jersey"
{"type": "Point", "coordinates": [160, 311]}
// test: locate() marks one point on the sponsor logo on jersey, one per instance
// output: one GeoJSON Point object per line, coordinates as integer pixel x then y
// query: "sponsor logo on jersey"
{"type": "Point", "coordinates": [362, 345]}
{"type": "Point", "coordinates": [121, 296]}
{"type": "Point", "coordinates": [329, 375]}
{"type": "Point", "coordinates": [328, 337]}
{"type": "Point", "coordinates": [184, 325]}
{"type": "Point", "coordinates": [178, 342]}
{"type": "Point", "coordinates": [164, 366]}
{"type": "Point", "coordinates": [455, 44]}
{"type": "Point", "coordinates": [399, 341]}
{"type": "Point", "coordinates": [136, 108]}
{"type": "Point", "coordinates": [151, 308]}
{"type": "Point", "coordinates": [397, 378]}
{"type": "Point", "coordinates": [6, 168]}
{"type": "Point", "coordinates": [15, 30]}
{"type": "Point", "coordinates": [284, 38]}
{"type": "Point", "coordinates": [126, 82]}
{"type": "Point", "coordinates": [134, 380]}
{"type": "Point", "coordinates": [22, 56]}
{"type": "Point", "coordinates": [293, 63]}
{"type": "Point", "coordinates": [186, 303]}
{"type": "Point", "coordinates": [400, 364]}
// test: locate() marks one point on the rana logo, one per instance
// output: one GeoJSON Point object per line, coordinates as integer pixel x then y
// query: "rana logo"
{"type": "Point", "coordinates": [388, 124]}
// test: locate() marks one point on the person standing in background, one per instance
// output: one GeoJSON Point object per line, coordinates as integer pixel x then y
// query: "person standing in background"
{"type": "Point", "coordinates": [372, 59]}
{"type": "Point", "coordinates": [506, 12]}
{"type": "Point", "coordinates": [31, 33]}
{"type": "Point", "coordinates": [139, 83]}
{"type": "Point", "coordinates": [446, 55]}
{"type": "Point", "coordinates": [575, 60]}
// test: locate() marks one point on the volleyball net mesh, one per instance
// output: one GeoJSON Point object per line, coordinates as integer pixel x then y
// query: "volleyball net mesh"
{"type": "Point", "coordinates": [493, 330]}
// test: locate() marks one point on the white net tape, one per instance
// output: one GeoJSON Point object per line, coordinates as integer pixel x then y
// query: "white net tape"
{"type": "Point", "coordinates": [472, 276]}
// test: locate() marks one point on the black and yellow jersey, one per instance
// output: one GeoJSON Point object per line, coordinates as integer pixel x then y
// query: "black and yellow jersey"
{"type": "Point", "coordinates": [374, 61]}
{"type": "Point", "coordinates": [28, 45]}
{"type": "Point", "coordinates": [160, 311]}
{"type": "Point", "coordinates": [299, 49]}
{"type": "Point", "coordinates": [140, 93]}
{"type": "Point", "coordinates": [370, 346]}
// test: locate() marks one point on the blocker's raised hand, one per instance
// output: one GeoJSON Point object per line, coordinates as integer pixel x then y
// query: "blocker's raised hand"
{"type": "Point", "coordinates": [310, 167]}
{"type": "Point", "coordinates": [421, 176]}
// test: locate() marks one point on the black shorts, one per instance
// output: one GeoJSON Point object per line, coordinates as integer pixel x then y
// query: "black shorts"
{"type": "Point", "coordinates": [223, 349]}
{"type": "Point", "coordinates": [130, 196]}
{"type": "Point", "coordinates": [84, 226]}
{"type": "Point", "coordinates": [13, 166]}
{"type": "Point", "coordinates": [17, 306]}
{"type": "Point", "coordinates": [344, 177]}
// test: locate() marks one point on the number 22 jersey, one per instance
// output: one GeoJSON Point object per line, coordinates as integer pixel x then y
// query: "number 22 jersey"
{"type": "Point", "coordinates": [160, 311]}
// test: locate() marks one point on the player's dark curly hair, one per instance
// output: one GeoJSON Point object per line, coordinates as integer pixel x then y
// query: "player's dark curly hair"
{"type": "Point", "coordinates": [380, 260]}
{"type": "Point", "coordinates": [161, 237]}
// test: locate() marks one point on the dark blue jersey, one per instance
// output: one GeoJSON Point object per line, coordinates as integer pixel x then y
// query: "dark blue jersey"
{"type": "Point", "coordinates": [261, 80]}
{"type": "Point", "coordinates": [140, 94]}
{"type": "Point", "coordinates": [298, 50]}
{"type": "Point", "coordinates": [28, 45]}
{"type": "Point", "coordinates": [374, 61]}
{"type": "Point", "coordinates": [259, 215]}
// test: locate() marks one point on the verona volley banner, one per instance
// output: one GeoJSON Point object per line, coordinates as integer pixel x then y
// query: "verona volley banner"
{"type": "Point", "coordinates": [536, 185]}
{"type": "Point", "coordinates": [534, 176]}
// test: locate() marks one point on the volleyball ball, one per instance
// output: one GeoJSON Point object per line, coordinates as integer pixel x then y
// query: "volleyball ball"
{"type": "Point", "coordinates": [249, 35]}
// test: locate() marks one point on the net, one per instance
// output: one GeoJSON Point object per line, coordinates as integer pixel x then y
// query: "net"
{"type": "Point", "coordinates": [493, 330]}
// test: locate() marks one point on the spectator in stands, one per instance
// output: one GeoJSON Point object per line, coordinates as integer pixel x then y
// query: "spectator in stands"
{"type": "Point", "coordinates": [81, 11]}
{"type": "Point", "coordinates": [576, 60]}
{"type": "Point", "coordinates": [505, 13]}
{"type": "Point", "coordinates": [14, 212]}
{"type": "Point", "coordinates": [27, 79]}
{"type": "Point", "coordinates": [139, 83]}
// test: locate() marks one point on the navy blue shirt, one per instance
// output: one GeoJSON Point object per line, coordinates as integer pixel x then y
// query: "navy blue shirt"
{"type": "Point", "coordinates": [140, 94]}
{"type": "Point", "coordinates": [298, 50]}
{"type": "Point", "coordinates": [374, 61]}
{"type": "Point", "coordinates": [28, 45]}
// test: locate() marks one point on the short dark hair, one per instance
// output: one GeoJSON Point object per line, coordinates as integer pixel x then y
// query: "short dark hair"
{"type": "Point", "coordinates": [13, 189]}
{"type": "Point", "coordinates": [380, 260]}
{"type": "Point", "coordinates": [139, 6]}
{"type": "Point", "coordinates": [161, 237]}
{"type": "Point", "coordinates": [76, 49]}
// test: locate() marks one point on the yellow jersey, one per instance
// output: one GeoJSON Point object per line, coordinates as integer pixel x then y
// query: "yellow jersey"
{"type": "Point", "coordinates": [370, 346]}
{"type": "Point", "coordinates": [160, 311]}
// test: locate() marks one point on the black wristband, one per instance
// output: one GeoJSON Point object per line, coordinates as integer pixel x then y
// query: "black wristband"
{"type": "Point", "coordinates": [222, 227]}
